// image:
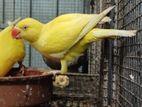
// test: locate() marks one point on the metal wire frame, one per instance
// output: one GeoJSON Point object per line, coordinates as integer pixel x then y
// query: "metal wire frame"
{"type": "Point", "coordinates": [127, 55]}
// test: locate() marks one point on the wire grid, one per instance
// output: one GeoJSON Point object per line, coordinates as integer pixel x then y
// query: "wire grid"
{"type": "Point", "coordinates": [128, 55]}
{"type": "Point", "coordinates": [73, 6]}
{"type": "Point", "coordinates": [44, 10]}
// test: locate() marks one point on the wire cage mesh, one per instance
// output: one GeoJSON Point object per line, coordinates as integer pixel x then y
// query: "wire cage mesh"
{"type": "Point", "coordinates": [121, 59]}
{"type": "Point", "coordinates": [127, 54]}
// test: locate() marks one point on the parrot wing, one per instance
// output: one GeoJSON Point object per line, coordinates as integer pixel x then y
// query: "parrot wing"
{"type": "Point", "coordinates": [92, 23]}
{"type": "Point", "coordinates": [73, 16]}
{"type": "Point", "coordinates": [65, 31]}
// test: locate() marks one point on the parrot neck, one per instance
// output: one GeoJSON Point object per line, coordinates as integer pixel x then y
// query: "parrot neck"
{"type": "Point", "coordinates": [33, 40]}
{"type": "Point", "coordinates": [34, 36]}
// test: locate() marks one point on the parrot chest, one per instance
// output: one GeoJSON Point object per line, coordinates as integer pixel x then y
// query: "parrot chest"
{"type": "Point", "coordinates": [41, 48]}
{"type": "Point", "coordinates": [57, 38]}
{"type": "Point", "coordinates": [70, 55]}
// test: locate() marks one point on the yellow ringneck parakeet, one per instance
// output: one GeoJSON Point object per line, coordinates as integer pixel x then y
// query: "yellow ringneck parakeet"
{"type": "Point", "coordinates": [60, 36]}
{"type": "Point", "coordinates": [12, 51]}
{"type": "Point", "coordinates": [66, 37]}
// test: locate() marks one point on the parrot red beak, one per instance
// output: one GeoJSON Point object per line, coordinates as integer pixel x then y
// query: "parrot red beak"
{"type": "Point", "coordinates": [15, 33]}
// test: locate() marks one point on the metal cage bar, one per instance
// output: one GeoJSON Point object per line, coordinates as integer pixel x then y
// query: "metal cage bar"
{"type": "Point", "coordinates": [127, 54]}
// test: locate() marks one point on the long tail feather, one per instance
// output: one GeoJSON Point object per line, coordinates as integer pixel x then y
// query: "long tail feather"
{"type": "Point", "coordinates": [106, 33]}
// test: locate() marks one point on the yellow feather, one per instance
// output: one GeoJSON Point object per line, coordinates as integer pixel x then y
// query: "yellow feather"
{"type": "Point", "coordinates": [12, 51]}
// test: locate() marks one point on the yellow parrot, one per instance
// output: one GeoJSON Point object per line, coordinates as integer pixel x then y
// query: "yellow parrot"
{"type": "Point", "coordinates": [62, 38]}
{"type": "Point", "coordinates": [12, 51]}
{"type": "Point", "coordinates": [54, 39]}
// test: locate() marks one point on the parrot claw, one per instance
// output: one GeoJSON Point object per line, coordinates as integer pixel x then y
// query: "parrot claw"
{"type": "Point", "coordinates": [22, 69]}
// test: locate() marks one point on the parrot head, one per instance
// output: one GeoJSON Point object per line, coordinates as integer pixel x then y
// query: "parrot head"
{"type": "Point", "coordinates": [28, 29]}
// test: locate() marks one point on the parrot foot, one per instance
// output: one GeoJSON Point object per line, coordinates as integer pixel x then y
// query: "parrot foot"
{"type": "Point", "coordinates": [61, 81]}
{"type": "Point", "coordinates": [22, 69]}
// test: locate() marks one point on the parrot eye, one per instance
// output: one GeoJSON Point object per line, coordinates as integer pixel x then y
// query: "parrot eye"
{"type": "Point", "coordinates": [25, 27]}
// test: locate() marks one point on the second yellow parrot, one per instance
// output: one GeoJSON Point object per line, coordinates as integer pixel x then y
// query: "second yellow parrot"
{"type": "Point", "coordinates": [12, 51]}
